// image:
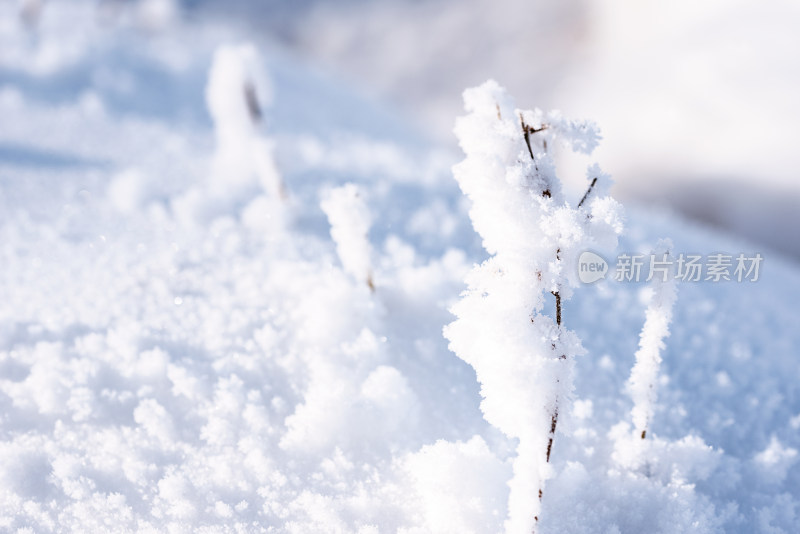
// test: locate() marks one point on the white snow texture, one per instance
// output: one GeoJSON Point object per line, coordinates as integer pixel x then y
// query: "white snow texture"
{"type": "Point", "coordinates": [225, 281]}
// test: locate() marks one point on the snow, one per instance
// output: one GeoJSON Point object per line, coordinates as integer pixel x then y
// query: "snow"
{"type": "Point", "coordinates": [166, 368]}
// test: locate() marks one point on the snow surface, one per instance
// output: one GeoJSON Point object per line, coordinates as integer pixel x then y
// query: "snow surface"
{"type": "Point", "coordinates": [162, 372]}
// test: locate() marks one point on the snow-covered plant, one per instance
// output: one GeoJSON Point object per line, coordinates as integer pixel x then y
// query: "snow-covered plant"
{"type": "Point", "coordinates": [644, 375]}
{"type": "Point", "coordinates": [243, 173]}
{"type": "Point", "coordinates": [236, 91]}
{"type": "Point", "coordinates": [350, 220]}
{"type": "Point", "coordinates": [510, 323]}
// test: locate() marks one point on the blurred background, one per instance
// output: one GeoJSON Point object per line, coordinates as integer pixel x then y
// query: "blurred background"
{"type": "Point", "coordinates": [697, 101]}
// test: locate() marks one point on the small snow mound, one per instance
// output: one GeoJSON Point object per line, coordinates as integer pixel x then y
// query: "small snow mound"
{"type": "Point", "coordinates": [774, 462]}
{"type": "Point", "coordinates": [460, 487]}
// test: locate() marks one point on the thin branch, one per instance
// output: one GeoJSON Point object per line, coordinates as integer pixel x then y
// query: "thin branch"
{"type": "Point", "coordinates": [557, 295]}
{"type": "Point", "coordinates": [553, 423]}
{"type": "Point", "coordinates": [554, 417]}
{"type": "Point", "coordinates": [251, 99]}
{"type": "Point", "coordinates": [526, 132]}
{"type": "Point", "coordinates": [586, 194]}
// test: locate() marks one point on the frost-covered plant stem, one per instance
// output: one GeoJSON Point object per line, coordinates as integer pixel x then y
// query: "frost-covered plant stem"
{"type": "Point", "coordinates": [236, 91]}
{"type": "Point", "coordinates": [554, 416]}
{"type": "Point", "coordinates": [350, 221]}
{"type": "Point", "coordinates": [522, 355]}
{"type": "Point", "coordinates": [527, 131]}
{"type": "Point", "coordinates": [644, 375]}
